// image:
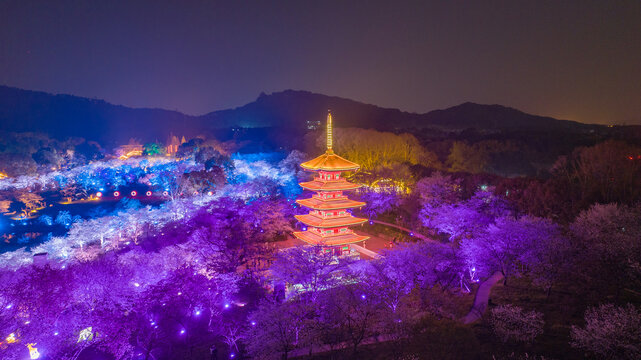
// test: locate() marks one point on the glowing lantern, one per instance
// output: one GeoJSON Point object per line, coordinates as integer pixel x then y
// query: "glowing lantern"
{"type": "Point", "coordinates": [116, 193]}
{"type": "Point", "coordinates": [99, 194]}
{"type": "Point", "coordinates": [86, 334]}
{"type": "Point", "coordinates": [210, 193]}
{"type": "Point", "coordinates": [33, 351]}
{"type": "Point", "coordinates": [165, 193]}
{"type": "Point", "coordinates": [11, 338]}
{"type": "Point", "coordinates": [148, 193]}
{"type": "Point", "coordinates": [134, 193]}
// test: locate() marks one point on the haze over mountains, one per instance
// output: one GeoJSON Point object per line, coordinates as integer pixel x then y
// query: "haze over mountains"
{"type": "Point", "coordinates": [63, 116]}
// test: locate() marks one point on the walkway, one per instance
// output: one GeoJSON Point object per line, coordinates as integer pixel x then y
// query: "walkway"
{"type": "Point", "coordinates": [481, 298]}
{"type": "Point", "coordinates": [366, 252]}
{"type": "Point", "coordinates": [411, 232]}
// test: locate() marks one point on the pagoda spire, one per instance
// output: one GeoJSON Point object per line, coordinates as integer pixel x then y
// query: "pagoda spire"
{"type": "Point", "coordinates": [330, 131]}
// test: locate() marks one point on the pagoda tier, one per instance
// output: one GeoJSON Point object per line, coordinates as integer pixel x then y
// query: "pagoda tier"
{"type": "Point", "coordinates": [330, 162]}
{"type": "Point", "coordinates": [328, 221]}
{"type": "Point", "coordinates": [314, 239]}
{"type": "Point", "coordinates": [329, 185]}
{"type": "Point", "coordinates": [335, 204]}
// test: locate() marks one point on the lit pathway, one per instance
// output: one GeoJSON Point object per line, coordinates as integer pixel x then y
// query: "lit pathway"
{"type": "Point", "coordinates": [411, 232]}
{"type": "Point", "coordinates": [481, 298]}
{"type": "Point", "coordinates": [366, 252]}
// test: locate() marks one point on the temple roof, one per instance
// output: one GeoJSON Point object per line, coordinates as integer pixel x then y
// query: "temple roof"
{"type": "Point", "coordinates": [331, 185]}
{"type": "Point", "coordinates": [332, 240]}
{"type": "Point", "coordinates": [329, 162]}
{"type": "Point", "coordinates": [320, 222]}
{"type": "Point", "coordinates": [329, 204]}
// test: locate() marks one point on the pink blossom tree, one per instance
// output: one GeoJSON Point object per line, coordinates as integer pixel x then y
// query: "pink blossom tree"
{"type": "Point", "coordinates": [610, 332]}
{"type": "Point", "coordinates": [511, 323]}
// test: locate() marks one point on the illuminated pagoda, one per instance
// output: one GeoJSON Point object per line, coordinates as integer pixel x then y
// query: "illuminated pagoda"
{"type": "Point", "coordinates": [328, 222]}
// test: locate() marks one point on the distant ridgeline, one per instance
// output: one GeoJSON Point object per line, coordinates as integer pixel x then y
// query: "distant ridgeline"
{"type": "Point", "coordinates": [64, 116]}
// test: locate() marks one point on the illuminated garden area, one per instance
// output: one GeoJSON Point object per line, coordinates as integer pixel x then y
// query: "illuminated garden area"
{"type": "Point", "coordinates": [298, 225]}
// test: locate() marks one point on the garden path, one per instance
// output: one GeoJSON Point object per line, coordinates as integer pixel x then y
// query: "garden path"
{"type": "Point", "coordinates": [411, 232]}
{"type": "Point", "coordinates": [481, 298]}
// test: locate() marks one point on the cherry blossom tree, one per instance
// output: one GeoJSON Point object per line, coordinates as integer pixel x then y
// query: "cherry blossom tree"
{"type": "Point", "coordinates": [348, 311]}
{"type": "Point", "coordinates": [508, 245]}
{"type": "Point", "coordinates": [610, 332]}
{"type": "Point", "coordinates": [609, 253]}
{"type": "Point", "coordinates": [466, 218]}
{"type": "Point", "coordinates": [311, 268]}
{"type": "Point", "coordinates": [511, 323]}
{"type": "Point", "coordinates": [278, 328]}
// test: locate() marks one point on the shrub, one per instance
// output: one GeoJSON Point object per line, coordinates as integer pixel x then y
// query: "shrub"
{"type": "Point", "coordinates": [612, 332]}
{"type": "Point", "coordinates": [511, 323]}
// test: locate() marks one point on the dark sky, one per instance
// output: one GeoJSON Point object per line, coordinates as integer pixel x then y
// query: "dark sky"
{"type": "Point", "coordinates": [578, 60]}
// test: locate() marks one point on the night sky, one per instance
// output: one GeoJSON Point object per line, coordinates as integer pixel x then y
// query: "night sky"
{"type": "Point", "coordinates": [578, 60]}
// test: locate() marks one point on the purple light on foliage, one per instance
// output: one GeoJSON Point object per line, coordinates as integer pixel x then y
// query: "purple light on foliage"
{"type": "Point", "coordinates": [363, 296]}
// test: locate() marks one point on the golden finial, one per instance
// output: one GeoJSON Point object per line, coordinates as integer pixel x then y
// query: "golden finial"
{"type": "Point", "coordinates": [329, 131]}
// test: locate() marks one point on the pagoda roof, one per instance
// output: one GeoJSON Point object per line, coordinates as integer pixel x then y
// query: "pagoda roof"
{"type": "Point", "coordinates": [329, 161]}
{"type": "Point", "coordinates": [330, 185]}
{"type": "Point", "coordinates": [330, 204]}
{"type": "Point", "coordinates": [332, 240]}
{"type": "Point", "coordinates": [319, 222]}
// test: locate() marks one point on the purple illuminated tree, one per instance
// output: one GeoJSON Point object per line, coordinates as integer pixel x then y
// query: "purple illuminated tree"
{"type": "Point", "coordinates": [379, 202]}
{"type": "Point", "coordinates": [278, 328]}
{"type": "Point", "coordinates": [508, 245]}
{"type": "Point", "coordinates": [464, 219]}
{"type": "Point", "coordinates": [311, 268]}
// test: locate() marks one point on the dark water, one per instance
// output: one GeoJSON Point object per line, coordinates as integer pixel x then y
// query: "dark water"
{"type": "Point", "coordinates": [15, 234]}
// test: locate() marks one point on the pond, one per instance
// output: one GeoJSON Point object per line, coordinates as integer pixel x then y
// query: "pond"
{"type": "Point", "coordinates": [17, 233]}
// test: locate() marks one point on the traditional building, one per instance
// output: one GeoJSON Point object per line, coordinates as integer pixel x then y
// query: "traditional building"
{"type": "Point", "coordinates": [133, 148]}
{"type": "Point", "coordinates": [329, 221]}
{"type": "Point", "coordinates": [173, 143]}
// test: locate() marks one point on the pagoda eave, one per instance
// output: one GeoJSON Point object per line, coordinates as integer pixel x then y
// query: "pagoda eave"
{"type": "Point", "coordinates": [329, 162]}
{"type": "Point", "coordinates": [329, 185]}
{"type": "Point", "coordinates": [335, 240]}
{"type": "Point", "coordinates": [334, 204]}
{"type": "Point", "coordinates": [318, 222]}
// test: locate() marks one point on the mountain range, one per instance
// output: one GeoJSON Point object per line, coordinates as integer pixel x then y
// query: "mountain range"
{"type": "Point", "coordinates": [63, 116]}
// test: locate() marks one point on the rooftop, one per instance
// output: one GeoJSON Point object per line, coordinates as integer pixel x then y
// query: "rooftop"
{"type": "Point", "coordinates": [330, 204]}
{"type": "Point", "coordinates": [329, 162]}
{"type": "Point", "coordinates": [334, 185]}
{"type": "Point", "coordinates": [332, 222]}
{"type": "Point", "coordinates": [333, 240]}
